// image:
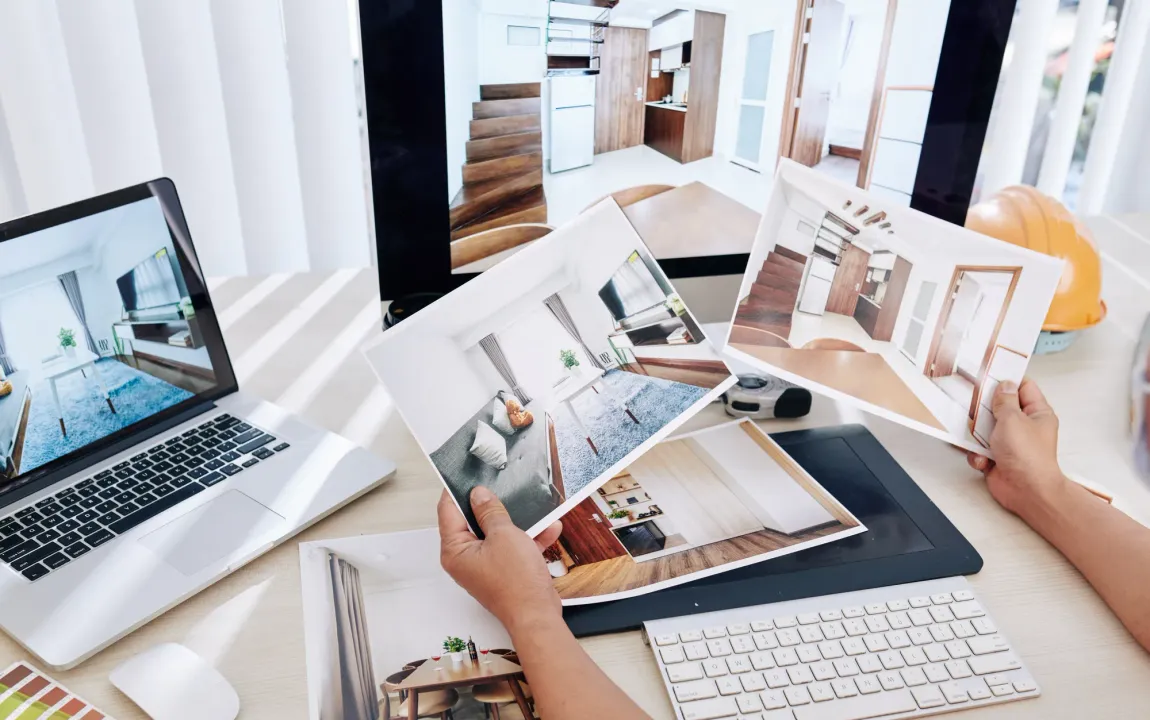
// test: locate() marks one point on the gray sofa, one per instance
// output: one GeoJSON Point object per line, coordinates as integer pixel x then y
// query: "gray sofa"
{"type": "Point", "coordinates": [525, 485]}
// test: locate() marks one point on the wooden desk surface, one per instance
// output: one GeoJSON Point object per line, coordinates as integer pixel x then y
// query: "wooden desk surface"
{"type": "Point", "coordinates": [251, 623]}
{"type": "Point", "coordinates": [679, 222]}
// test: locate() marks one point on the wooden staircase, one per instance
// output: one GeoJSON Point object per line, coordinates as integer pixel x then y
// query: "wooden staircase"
{"type": "Point", "coordinates": [503, 176]}
{"type": "Point", "coordinates": [771, 303]}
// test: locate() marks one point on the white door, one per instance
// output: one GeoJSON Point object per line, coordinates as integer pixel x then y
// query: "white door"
{"type": "Point", "coordinates": [753, 101]}
{"type": "Point", "coordinates": [572, 137]}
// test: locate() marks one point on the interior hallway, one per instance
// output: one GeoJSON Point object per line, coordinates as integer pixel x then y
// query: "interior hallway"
{"type": "Point", "coordinates": [622, 573]}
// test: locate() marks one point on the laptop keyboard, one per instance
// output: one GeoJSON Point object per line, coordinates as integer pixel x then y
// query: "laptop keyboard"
{"type": "Point", "coordinates": [46, 536]}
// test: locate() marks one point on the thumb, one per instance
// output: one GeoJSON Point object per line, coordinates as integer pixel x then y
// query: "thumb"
{"type": "Point", "coordinates": [489, 511]}
{"type": "Point", "coordinates": [1006, 400]}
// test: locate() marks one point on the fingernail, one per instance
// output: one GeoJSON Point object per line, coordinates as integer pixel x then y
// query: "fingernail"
{"type": "Point", "coordinates": [1008, 386]}
{"type": "Point", "coordinates": [481, 495]}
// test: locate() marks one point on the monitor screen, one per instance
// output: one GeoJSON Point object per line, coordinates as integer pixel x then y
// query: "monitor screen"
{"type": "Point", "coordinates": [679, 110]}
{"type": "Point", "coordinates": [95, 343]}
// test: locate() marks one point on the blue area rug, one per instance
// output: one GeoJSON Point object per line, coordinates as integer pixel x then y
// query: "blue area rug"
{"type": "Point", "coordinates": [135, 394]}
{"type": "Point", "coordinates": [655, 402]}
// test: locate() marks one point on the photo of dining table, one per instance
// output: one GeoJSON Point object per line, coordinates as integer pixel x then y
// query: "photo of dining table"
{"type": "Point", "coordinates": [490, 673]}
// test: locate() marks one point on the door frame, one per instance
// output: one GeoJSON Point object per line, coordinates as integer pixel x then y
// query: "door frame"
{"type": "Point", "coordinates": [944, 318]}
{"type": "Point", "coordinates": [742, 102]}
{"type": "Point", "coordinates": [795, 74]}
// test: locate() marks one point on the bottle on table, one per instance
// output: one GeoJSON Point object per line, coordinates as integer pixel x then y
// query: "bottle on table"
{"type": "Point", "coordinates": [471, 649]}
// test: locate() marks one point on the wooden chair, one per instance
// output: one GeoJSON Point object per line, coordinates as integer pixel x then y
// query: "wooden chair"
{"type": "Point", "coordinates": [630, 196]}
{"type": "Point", "coordinates": [436, 703]}
{"type": "Point", "coordinates": [757, 336]}
{"type": "Point", "coordinates": [474, 248]}
{"type": "Point", "coordinates": [502, 651]}
{"type": "Point", "coordinates": [832, 344]}
{"type": "Point", "coordinates": [414, 664]}
{"type": "Point", "coordinates": [492, 695]}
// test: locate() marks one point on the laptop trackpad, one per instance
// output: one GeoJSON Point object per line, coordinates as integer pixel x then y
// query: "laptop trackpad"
{"type": "Point", "coordinates": [215, 530]}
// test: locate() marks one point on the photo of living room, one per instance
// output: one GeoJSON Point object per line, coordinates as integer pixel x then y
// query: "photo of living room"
{"type": "Point", "coordinates": [914, 318]}
{"type": "Point", "coordinates": [378, 611]}
{"type": "Point", "coordinates": [96, 333]}
{"type": "Point", "coordinates": [678, 109]}
{"type": "Point", "coordinates": [552, 371]}
{"type": "Point", "coordinates": [692, 506]}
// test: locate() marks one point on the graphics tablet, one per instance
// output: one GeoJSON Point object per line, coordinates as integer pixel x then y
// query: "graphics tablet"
{"type": "Point", "coordinates": [908, 539]}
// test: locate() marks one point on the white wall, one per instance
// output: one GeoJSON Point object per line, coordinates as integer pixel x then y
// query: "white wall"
{"type": "Point", "coordinates": [1128, 191]}
{"type": "Point", "coordinates": [461, 32]}
{"type": "Point", "coordinates": [851, 103]}
{"type": "Point", "coordinates": [502, 63]}
{"type": "Point", "coordinates": [765, 487]}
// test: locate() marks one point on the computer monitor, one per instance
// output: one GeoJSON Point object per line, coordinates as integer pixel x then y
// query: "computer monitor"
{"type": "Point", "coordinates": [489, 121]}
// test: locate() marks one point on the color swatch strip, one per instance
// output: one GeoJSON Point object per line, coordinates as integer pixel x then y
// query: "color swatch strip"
{"type": "Point", "coordinates": [28, 694]}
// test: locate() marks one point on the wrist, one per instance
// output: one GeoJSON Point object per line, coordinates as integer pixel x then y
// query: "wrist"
{"type": "Point", "coordinates": [523, 626]}
{"type": "Point", "coordinates": [1051, 505]}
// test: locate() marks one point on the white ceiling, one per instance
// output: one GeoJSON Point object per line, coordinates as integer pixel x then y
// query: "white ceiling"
{"type": "Point", "coordinates": [644, 12]}
{"type": "Point", "coordinates": [54, 243]}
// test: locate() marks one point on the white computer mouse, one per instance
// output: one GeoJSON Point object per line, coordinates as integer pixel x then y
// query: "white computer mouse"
{"type": "Point", "coordinates": [170, 682]}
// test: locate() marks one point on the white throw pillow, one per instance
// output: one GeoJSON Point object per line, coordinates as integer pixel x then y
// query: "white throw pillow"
{"type": "Point", "coordinates": [500, 420]}
{"type": "Point", "coordinates": [489, 446]}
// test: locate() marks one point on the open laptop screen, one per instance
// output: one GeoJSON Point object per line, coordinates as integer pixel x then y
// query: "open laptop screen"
{"type": "Point", "coordinates": [105, 327]}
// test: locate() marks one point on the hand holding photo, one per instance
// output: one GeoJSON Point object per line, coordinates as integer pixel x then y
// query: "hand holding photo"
{"type": "Point", "coordinates": [904, 315]}
{"type": "Point", "coordinates": [552, 371]}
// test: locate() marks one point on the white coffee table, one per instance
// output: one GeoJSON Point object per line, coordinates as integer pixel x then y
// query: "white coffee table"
{"type": "Point", "coordinates": [575, 386]}
{"type": "Point", "coordinates": [64, 365]}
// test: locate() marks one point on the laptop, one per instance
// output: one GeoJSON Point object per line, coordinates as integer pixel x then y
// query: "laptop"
{"type": "Point", "coordinates": [133, 472]}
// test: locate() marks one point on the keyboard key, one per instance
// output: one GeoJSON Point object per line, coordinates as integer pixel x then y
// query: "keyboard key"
{"type": "Point", "coordinates": [212, 478]}
{"type": "Point", "coordinates": [936, 673]}
{"type": "Point", "coordinates": [987, 644]}
{"type": "Point", "coordinates": [960, 595]}
{"type": "Point", "coordinates": [714, 668]}
{"type": "Point", "coordinates": [47, 536]}
{"type": "Point", "coordinates": [890, 680]}
{"type": "Point", "coordinates": [967, 610]}
{"type": "Point", "coordinates": [163, 490]}
{"type": "Point", "coordinates": [123, 497]}
{"type": "Point", "coordinates": [250, 462]}
{"type": "Point", "coordinates": [145, 499]}
{"type": "Point", "coordinates": [72, 511]}
{"type": "Point", "coordinates": [106, 506]}
{"type": "Point", "coordinates": [87, 516]}
{"type": "Point", "coordinates": [89, 529]}
{"type": "Point", "coordinates": [28, 559]}
{"type": "Point", "coordinates": [77, 549]}
{"type": "Point", "coordinates": [853, 611]}
{"type": "Point", "coordinates": [69, 538]}
{"type": "Point", "coordinates": [928, 696]}
{"type": "Point", "coordinates": [996, 663]}
{"type": "Point", "coordinates": [846, 667]}
{"type": "Point", "coordinates": [281, 447]}
{"type": "Point", "coordinates": [263, 453]}
{"type": "Point", "coordinates": [31, 531]}
{"type": "Point", "coordinates": [1024, 686]}
{"type": "Point", "coordinates": [729, 686]}
{"type": "Point", "coordinates": [958, 669]}
{"type": "Point", "coordinates": [808, 618]}
{"type": "Point", "coordinates": [869, 664]}
{"type": "Point", "coordinates": [797, 696]}
{"type": "Point", "coordinates": [90, 502]}
{"type": "Point", "coordinates": [247, 434]}
{"type": "Point", "coordinates": [247, 447]}
{"type": "Point", "coordinates": [896, 605]}
{"type": "Point", "coordinates": [108, 518]}
{"type": "Point", "coordinates": [978, 693]}
{"type": "Point", "coordinates": [1000, 690]}
{"type": "Point", "coordinates": [913, 676]}
{"type": "Point", "coordinates": [57, 560]}
{"type": "Point", "coordinates": [697, 690]}
{"type": "Point", "coordinates": [671, 655]}
{"type": "Point", "coordinates": [742, 644]}
{"type": "Point", "coordinates": [776, 678]}
{"type": "Point", "coordinates": [785, 622]}
{"type": "Point", "coordinates": [983, 626]}
{"type": "Point", "coordinates": [35, 572]}
{"type": "Point", "coordinates": [762, 660]}
{"type": "Point", "coordinates": [710, 709]}
{"type": "Point", "coordinates": [663, 640]}
{"type": "Point", "coordinates": [231, 469]}
{"type": "Point", "coordinates": [719, 648]}
{"type": "Point", "coordinates": [30, 510]}
{"type": "Point", "coordinates": [99, 538]}
{"type": "Point", "coordinates": [749, 703]}
{"type": "Point", "coordinates": [154, 508]}
{"type": "Point", "coordinates": [753, 682]}
{"type": "Point", "coordinates": [800, 675]}
{"type": "Point", "coordinates": [691, 636]}
{"type": "Point", "coordinates": [684, 672]}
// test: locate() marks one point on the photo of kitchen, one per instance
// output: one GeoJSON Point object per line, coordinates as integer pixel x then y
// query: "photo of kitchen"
{"type": "Point", "coordinates": [546, 375]}
{"type": "Point", "coordinates": [674, 106]}
{"type": "Point", "coordinates": [908, 315]}
{"type": "Point", "coordinates": [389, 635]}
{"type": "Point", "coordinates": [695, 504]}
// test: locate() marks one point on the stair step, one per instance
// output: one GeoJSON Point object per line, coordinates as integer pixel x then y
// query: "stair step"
{"type": "Point", "coordinates": [780, 300]}
{"type": "Point", "coordinates": [504, 145]}
{"type": "Point", "coordinates": [784, 262]}
{"type": "Point", "coordinates": [746, 335]}
{"type": "Point", "coordinates": [480, 170]}
{"type": "Point", "coordinates": [483, 245]}
{"type": "Point", "coordinates": [493, 127]}
{"type": "Point", "coordinates": [750, 309]}
{"type": "Point", "coordinates": [771, 279]}
{"type": "Point", "coordinates": [530, 207]}
{"type": "Point", "coordinates": [505, 108]}
{"type": "Point", "coordinates": [511, 91]}
{"type": "Point", "coordinates": [782, 268]}
{"type": "Point", "coordinates": [790, 254]}
{"type": "Point", "coordinates": [476, 200]}
{"type": "Point", "coordinates": [781, 330]}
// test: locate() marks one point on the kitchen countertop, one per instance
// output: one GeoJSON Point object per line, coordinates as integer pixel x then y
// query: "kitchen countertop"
{"type": "Point", "coordinates": [872, 302]}
{"type": "Point", "coordinates": [665, 106]}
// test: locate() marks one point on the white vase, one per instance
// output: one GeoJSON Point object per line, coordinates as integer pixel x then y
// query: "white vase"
{"type": "Point", "coordinates": [70, 351]}
{"type": "Point", "coordinates": [456, 659]}
{"type": "Point", "coordinates": [557, 568]}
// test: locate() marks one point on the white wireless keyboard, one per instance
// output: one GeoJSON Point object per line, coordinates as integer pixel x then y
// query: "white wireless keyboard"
{"type": "Point", "coordinates": [904, 651]}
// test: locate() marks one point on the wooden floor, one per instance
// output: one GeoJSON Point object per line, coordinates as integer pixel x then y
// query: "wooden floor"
{"type": "Point", "coordinates": [621, 574]}
{"type": "Point", "coordinates": [862, 375]}
{"type": "Point", "coordinates": [699, 377]}
{"type": "Point", "coordinates": [182, 380]}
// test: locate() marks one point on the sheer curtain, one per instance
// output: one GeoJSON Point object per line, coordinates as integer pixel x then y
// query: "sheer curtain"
{"type": "Point", "coordinates": [250, 107]}
{"type": "Point", "coordinates": [32, 318]}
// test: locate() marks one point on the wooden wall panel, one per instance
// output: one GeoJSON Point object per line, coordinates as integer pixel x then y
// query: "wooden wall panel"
{"type": "Point", "coordinates": [703, 98]}
{"type": "Point", "coordinates": [586, 539]}
{"type": "Point", "coordinates": [661, 86]}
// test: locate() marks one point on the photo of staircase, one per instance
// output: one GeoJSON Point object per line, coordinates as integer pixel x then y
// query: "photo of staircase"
{"type": "Point", "coordinates": [503, 175]}
{"type": "Point", "coordinates": [770, 306]}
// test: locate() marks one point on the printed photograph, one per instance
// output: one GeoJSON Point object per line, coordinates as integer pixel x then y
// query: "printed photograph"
{"type": "Point", "coordinates": [692, 506]}
{"type": "Point", "coordinates": [1140, 403]}
{"type": "Point", "coordinates": [552, 371]}
{"type": "Point", "coordinates": [97, 332]}
{"type": "Point", "coordinates": [388, 634]}
{"type": "Point", "coordinates": [910, 317]}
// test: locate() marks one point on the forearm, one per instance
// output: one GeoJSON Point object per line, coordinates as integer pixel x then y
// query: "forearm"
{"type": "Point", "coordinates": [566, 684]}
{"type": "Point", "coordinates": [1109, 548]}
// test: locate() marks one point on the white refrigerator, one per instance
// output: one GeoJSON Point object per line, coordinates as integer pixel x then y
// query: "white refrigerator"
{"type": "Point", "coordinates": [572, 115]}
{"type": "Point", "coordinates": [817, 285]}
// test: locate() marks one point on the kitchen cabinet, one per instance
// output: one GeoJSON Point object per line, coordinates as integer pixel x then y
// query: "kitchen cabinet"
{"type": "Point", "coordinates": [673, 30]}
{"type": "Point", "coordinates": [672, 58]}
{"type": "Point", "coordinates": [878, 318]}
{"type": "Point", "coordinates": [665, 131]}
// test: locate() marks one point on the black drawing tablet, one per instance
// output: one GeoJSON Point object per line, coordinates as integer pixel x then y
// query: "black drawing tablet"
{"type": "Point", "coordinates": [908, 539]}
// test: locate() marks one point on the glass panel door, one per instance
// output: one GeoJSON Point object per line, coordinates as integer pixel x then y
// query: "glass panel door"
{"type": "Point", "coordinates": [753, 100]}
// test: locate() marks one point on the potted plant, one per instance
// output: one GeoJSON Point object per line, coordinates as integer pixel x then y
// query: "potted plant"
{"type": "Point", "coordinates": [554, 560]}
{"type": "Point", "coordinates": [68, 341]}
{"type": "Point", "coordinates": [621, 514]}
{"type": "Point", "coordinates": [454, 647]}
{"type": "Point", "coordinates": [567, 357]}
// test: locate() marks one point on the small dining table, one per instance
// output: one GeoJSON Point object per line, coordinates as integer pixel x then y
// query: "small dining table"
{"type": "Point", "coordinates": [576, 385]}
{"type": "Point", "coordinates": [693, 220]}
{"type": "Point", "coordinates": [444, 674]}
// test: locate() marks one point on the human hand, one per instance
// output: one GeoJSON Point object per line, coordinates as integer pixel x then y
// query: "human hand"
{"type": "Point", "coordinates": [505, 571]}
{"type": "Point", "coordinates": [1025, 471]}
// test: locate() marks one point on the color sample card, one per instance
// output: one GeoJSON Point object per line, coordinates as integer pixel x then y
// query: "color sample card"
{"type": "Point", "coordinates": [28, 694]}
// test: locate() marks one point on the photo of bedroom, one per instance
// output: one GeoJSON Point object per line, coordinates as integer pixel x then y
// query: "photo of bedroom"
{"type": "Point", "coordinates": [96, 334]}
{"type": "Point", "coordinates": [692, 506]}
{"type": "Point", "coordinates": [552, 371]}
{"type": "Point", "coordinates": [378, 611]}
{"type": "Point", "coordinates": [915, 319]}
{"type": "Point", "coordinates": [678, 109]}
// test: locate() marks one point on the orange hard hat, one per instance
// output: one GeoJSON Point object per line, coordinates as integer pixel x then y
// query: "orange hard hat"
{"type": "Point", "coordinates": [1024, 216]}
